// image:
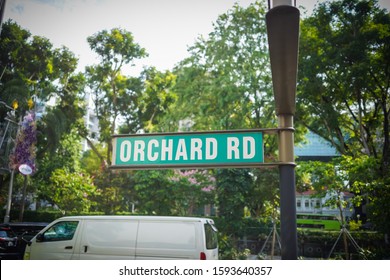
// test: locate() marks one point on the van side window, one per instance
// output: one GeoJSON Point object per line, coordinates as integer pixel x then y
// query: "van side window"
{"type": "Point", "coordinates": [211, 236]}
{"type": "Point", "coordinates": [61, 231]}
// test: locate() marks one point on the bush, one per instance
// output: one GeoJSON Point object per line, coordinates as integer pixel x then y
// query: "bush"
{"type": "Point", "coordinates": [227, 249]}
{"type": "Point", "coordinates": [372, 244]}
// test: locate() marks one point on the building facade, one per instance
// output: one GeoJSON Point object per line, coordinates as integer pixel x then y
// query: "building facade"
{"type": "Point", "coordinates": [309, 202]}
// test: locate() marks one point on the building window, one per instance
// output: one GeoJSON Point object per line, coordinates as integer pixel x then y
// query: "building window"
{"type": "Point", "coordinates": [306, 203]}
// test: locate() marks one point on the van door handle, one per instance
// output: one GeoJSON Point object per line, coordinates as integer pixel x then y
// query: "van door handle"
{"type": "Point", "coordinates": [68, 247]}
{"type": "Point", "coordinates": [85, 249]}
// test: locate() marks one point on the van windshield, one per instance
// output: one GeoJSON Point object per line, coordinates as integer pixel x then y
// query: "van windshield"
{"type": "Point", "coordinates": [211, 236]}
{"type": "Point", "coordinates": [61, 231]}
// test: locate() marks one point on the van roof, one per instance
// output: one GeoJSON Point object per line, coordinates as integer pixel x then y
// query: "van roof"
{"type": "Point", "coordinates": [25, 224]}
{"type": "Point", "coordinates": [150, 218]}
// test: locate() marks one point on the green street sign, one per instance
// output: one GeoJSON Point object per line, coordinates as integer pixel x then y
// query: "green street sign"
{"type": "Point", "coordinates": [188, 150]}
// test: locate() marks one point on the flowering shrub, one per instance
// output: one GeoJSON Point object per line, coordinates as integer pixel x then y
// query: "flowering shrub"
{"type": "Point", "coordinates": [193, 190]}
{"type": "Point", "coordinates": [196, 178]}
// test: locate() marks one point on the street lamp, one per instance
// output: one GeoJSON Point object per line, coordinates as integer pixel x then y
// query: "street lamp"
{"type": "Point", "coordinates": [9, 120]}
{"type": "Point", "coordinates": [283, 38]}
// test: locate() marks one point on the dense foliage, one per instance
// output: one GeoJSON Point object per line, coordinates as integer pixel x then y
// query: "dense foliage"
{"type": "Point", "coordinates": [223, 84]}
{"type": "Point", "coordinates": [344, 94]}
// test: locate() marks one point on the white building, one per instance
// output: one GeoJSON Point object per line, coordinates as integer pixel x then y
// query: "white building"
{"type": "Point", "coordinates": [91, 122]}
{"type": "Point", "coordinates": [307, 202]}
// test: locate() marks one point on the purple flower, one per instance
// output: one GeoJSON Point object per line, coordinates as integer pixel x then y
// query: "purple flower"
{"type": "Point", "coordinates": [25, 143]}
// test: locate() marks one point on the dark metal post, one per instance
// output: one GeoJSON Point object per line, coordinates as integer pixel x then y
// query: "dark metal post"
{"type": "Point", "coordinates": [288, 225]}
{"type": "Point", "coordinates": [283, 33]}
{"type": "Point", "coordinates": [9, 200]}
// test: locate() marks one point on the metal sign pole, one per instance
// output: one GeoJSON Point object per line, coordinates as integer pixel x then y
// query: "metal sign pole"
{"type": "Point", "coordinates": [283, 32]}
{"type": "Point", "coordinates": [9, 200]}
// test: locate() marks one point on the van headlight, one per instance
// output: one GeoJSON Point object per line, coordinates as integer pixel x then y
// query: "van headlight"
{"type": "Point", "coordinates": [26, 256]}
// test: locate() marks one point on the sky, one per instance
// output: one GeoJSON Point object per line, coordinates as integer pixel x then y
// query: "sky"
{"type": "Point", "coordinates": [165, 28]}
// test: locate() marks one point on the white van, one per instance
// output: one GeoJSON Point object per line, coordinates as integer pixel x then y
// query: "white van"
{"type": "Point", "coordinates": [125, 237]}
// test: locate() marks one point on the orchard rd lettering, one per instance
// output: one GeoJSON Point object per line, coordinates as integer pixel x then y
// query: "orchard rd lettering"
{"type": "Point", "coordinates": [188, 149]}
{"type": "Point", "coordinates": [152, 151]}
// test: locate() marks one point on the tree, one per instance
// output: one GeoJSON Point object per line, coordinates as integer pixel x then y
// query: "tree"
{"type": "Point", "coordinates": [113, 92]}
{"type": "Point", "coordinates": [157, 99]}
{"type": "Point", "coordinates": [31, 71]}
{"type": "Point", "coordinates": [331, 180]}
{"type": "Point", "coordinates": [91, 162]}
{"type": "Point", "coordinates": [226, 84]}
{"type": "Point", "coordinates": [71, 191]}
{"type": "Point", "coordinates": [226, 81]}
{"type": "Point", "coordinates": [343, 77]}
{"type": "Point", "coordinates": [343, 86]}
{"type": "Point", "coordinates": [370, 190]}
{"type": "Point", "coordinates": [116, 191]}
{"type": "Point", "coordinates": [263, 197]}
{"type": "Point", "coordinates": [155, 195]}
{"type": "Point", "coordinates": [193, 189]}
{"type": "Point", "coordinates": [115, 99]}
{"type": "Point", "coordinates": [54, 176]}
{"type": "Point", "coordinates": [233, 186]}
